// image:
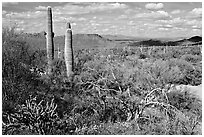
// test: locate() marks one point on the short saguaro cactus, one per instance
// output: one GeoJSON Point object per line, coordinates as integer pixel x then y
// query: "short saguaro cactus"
{"type": "Point", "coordinates": [68, 50]}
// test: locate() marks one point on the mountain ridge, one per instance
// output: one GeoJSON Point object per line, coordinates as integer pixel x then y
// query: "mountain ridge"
{"type": "Point", "coordinates": [38, 41]}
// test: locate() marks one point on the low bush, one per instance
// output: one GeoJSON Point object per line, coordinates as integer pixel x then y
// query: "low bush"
{"type": "Point", "coordinates": [114, 91]}
{"type": "Point", "coordinates": [191, 58]}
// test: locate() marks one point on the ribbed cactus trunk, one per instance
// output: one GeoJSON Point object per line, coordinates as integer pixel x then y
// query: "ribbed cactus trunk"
{"type": "Point", "coordinates": [50, 43]}
{"type": "Point", "coordinates": [68, 51]}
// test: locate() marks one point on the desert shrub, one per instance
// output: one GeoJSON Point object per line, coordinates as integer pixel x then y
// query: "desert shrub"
{"type": "Point", "coordinates": [195, 50]}
{"type": "Point", "coordinates": [122, 128]}
{"type": "Point", "coordinates": [191, 58]}
{"type": "Point", "coordinates": [157, 53]}
{"type": "Point", "coordinates": [142, 56]}
{"type": "Point", "coordinates": [110, 93]}
{"type": "Point", "coordinates": [95, 87]}
{"type": "Point", "coordinates": [38, 117]}
{"type": "Point", "coordinates": [191, 107]}
{"type": "Point", "coordinates": [153, 116]}
{"type": "Point", "coordinates": [58, 68]}
{"type": "Point", "coordinates": [153, 73]}
{"type": "Point", "coordinates": [184, 102]}
{"type": "Point", "coordinates": [38, 58]}
{"type": "Point", "coordinates": [162, 73]}
{"type": "Point", "coordinates": [16, 77]}
{"type": "Point", "coordinates": [192, 75]}
{"type": "Point", "coordinates": [18, 81]}
{"type": "Point", "coordinates": [174, 53]}
{"type": "Point", "coordinates": [8, 34]}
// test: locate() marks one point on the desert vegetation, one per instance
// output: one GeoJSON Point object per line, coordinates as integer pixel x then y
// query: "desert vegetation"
{"type": "Point", "coordinates": [118, 90]}
{"type": "Point", "coordinates": [115, 90]}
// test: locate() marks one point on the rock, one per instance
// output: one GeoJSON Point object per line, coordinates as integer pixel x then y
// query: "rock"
{"type": "Point", "coordinates": [195, 91]}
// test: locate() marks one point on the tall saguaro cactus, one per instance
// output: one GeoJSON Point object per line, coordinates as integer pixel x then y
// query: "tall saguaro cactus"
{"type": "Point", "coordinates": [50, 43]}
{"type": "Point", "coordinates": [68, 51]}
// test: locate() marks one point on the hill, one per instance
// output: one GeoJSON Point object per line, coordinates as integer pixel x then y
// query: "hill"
{"type": "Point", "coordinates": [85, 41]}
{"type": "Point", "coordinates": [35, 40]}
{"type": "Point", "coordinates": [119, 37]}
{"type": "Point", "coordinates": [38, 41]}
{"type": "Point", "coordinates": [190, 41]}
{"type": "Point", "coordinates": [195, 40]}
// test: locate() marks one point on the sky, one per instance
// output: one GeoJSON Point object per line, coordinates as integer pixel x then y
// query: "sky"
{"type": "Point", "coordinates": [138, 19]}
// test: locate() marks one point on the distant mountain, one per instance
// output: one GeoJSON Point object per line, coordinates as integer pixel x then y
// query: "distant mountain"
{"type": "Point", "coordinates": [155, 42]}
{"type": "Point", "coordinates": [117, 37]}
{"type": "Point", "coordinates": [124, 38]}
{"type": "Point", "coordinates": [151, 42]}
{"type": "Point", "coordinates": [80, 41]}
{"type": "Point", "coordinates": [85, 41]}
{"type": "Point", "coordinates": [38, 41]}
{"type": "Point", "coordinates": [195, 39]}
{"type": "Point", "coordinates": [192, 40]}
{"type": "Point", "coordinates": [91, 40]}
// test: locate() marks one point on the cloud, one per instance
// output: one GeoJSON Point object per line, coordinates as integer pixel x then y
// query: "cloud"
{"type": "Point", "coordinates": [81, 19]}
{"type": "Point", "coordinates": [105, 6]}
{"type": "Point", "coordinates": [74, 24]}
{"type": "Point", "coordinates": [128, 11]}
{"type": "Point", "coordinates": [4, 12]}
{"type": "Point", "coordinates": [181, 23]}
{"type": "Point", "coordinates": [194, 23]}
{"type": "Point", "coordinates": [196, 13]}
{"type": "Point", "coordinates": [60, 19]}
{"type": "Point", "coordinates": [118, 5]}
{"type": "Point", "coordinates": [26, 15]}
{"type": "Point", "coordinates": [61, 14]}
{"type": "Point", "coordinates": [154, 15]}
{"type": "Point", "coordinates": [95, 24]}
{"type": "Point", "coordinates": [161, 13]}
{"type": "Point", "coordinates": [113, 26]}
{"type": "Point", "coordinates": [41, 8]}
{"type": "Point", "coordinates": [177, 20]}
{"type": "Point", "coordinates": [154, 6]}
{"type": "Point", "coordinates": [131, 23]}
{"type": "Point", "coordinates": [167, 26]}
{"type": "Point", "coordinates": [105, 30]}
{"type": "Point", "coordinates": [151, 25]}
{"type": "Point", "coordinates": [6, 4]}
{"type": "Point", "coordinates": [163, 29]}
{"type": "Point", "coordinates": [196, 27]}
{"type": "Point", "coordinates": [71, 9]}
{"type": "Point", "coordinates": [176, 11]}
{"type": "Point", "coordinates": [123, 17]}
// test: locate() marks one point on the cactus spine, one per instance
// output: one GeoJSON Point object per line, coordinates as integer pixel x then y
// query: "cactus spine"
{"type": "Point", "coordinates": [50, 43]}
{"type": "Point", "coordinates": [68, 51]}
